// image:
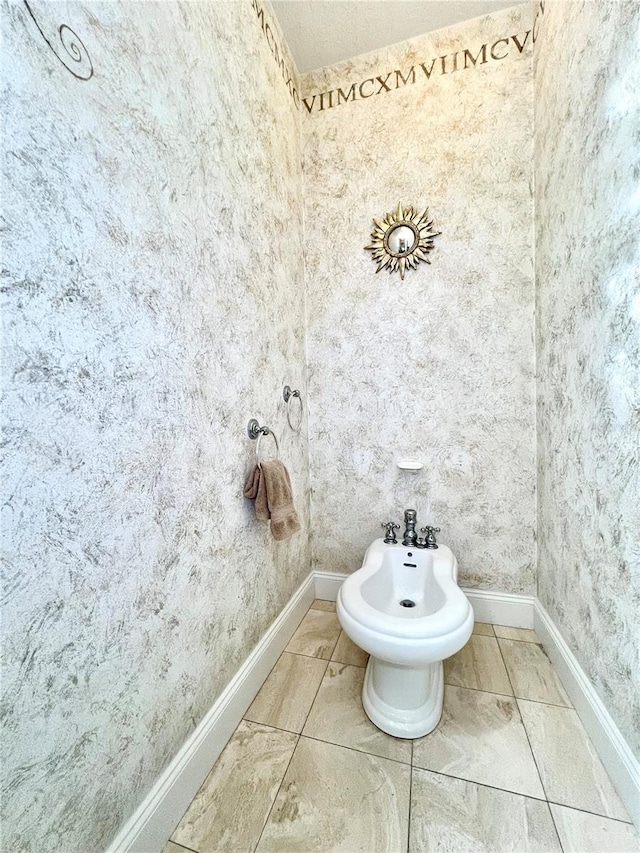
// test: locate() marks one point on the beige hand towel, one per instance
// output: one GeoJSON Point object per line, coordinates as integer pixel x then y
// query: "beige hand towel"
{"type": "Point", "coordinates": [270, 486]}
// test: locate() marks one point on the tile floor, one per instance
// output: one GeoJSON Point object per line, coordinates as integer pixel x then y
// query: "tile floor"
{"type": "Point", "coordinates": [509, 767]}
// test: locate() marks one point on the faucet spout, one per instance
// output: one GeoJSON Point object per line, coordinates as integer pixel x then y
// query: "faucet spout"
{"type": "Point", "coordinates": [410, 520]}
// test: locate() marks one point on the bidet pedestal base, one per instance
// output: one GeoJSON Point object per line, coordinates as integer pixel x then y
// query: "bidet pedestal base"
{"type": "Point", "coordinates": [403, 701]}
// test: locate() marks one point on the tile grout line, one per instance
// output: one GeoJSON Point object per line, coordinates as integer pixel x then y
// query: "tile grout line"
{"type": "Point", "coordinates": [269, 726]}
{"type": "Point", "coordinates": [315, 657]}
{"type": "Point", "coordinates": [507, 696]}
{"type": "Point", "coordinates": [544, 790]}
{"type": "Point", "coordinates": [475, 664]}
{"type": "Point", "coordinates": [362, 751]}
{"type": "Point", "coordinates": [190, 849]}
{"type": "Point", "coordinates": [328, 660]}
{"type": "Point", "coordinates": [335, 645]}
{"type": "Point", "coordinates": [482, 785]}
{"type": "Point", "coordinates": [302, 655]}
{"type": "Point", "coordinates": [511, 640]}
{"type": "Point", "coordinates": [344, 746]}
{"type": "Point", "coordinates": [594, 814]}
{"type": "Point", "coordinates": [514, 639]}
{"type": "Point", "coordinates": [410, 796]}
{"type": "Point", "coordinates": [555, 825]}
{"type": "Point", "coordinates": [345, 663]}
{"type": "Point", "coordinates": [319, 740]}
{"type": "Point", "coordinates": [299, 735]}
{"type": "Point", "coordinates": [275, 799]}
{"type": "Point", "coordinates": [359, 751]}
{"type": "Point", "coordinates": [284, 775]}
{"type": "Point", "coordinates": [553, 672]}
{"type": "Point", "coordinates": [315, 696]}
{"type": "Point", "coordinates": [568, 805]}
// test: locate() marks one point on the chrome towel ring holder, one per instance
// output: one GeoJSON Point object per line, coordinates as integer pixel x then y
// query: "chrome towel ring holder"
{"type": "Point", "coordinates": [255, 431]}
{"type": "Point", "coordinates": [289, 395]}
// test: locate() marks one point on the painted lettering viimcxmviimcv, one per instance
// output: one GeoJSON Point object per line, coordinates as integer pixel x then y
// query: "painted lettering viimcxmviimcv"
{"type": "Point", "coordinates": [450, 63]}
{"type": "Point", "coordinates": [277, 53]}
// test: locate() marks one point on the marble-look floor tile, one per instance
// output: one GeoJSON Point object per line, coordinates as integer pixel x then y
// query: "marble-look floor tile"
{"type": "Point", "coordinates": [454, 816]}
{"type": "Point", "coordinates": [316, 635]}
{"type": "Point", "coordinates": [321, 604]}
{"type": "Point", "coordinates": [480, 738]}
{"type": "Point", "coordinates": [581, 832]}
{"type": "Point", "coordinates": [478, 665]}
{"type": "Point", "coordinates": [170, 847]}
{"type": "Point", "coordinates": [525, 635]}
{"type": "Point", "coordinates": [336, 799]}
{"type": "Point", "coordinates": [532, 674]}
{"type": "Point", "coordinates": [346, 651]}
{"type": "Point", "coordinates": [288, 693]}
{"type": "Point", "coordinates": [571, 771]}
{"type": "Point", "coordinates": [485, 629]}
{"type": "Point", "coordinates": [249, 771]}
{"type": "Point", "coordinates": [337, 716]}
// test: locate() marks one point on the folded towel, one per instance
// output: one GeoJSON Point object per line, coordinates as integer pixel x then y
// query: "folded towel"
{"type": "Point", "coordinates": [270, 486]}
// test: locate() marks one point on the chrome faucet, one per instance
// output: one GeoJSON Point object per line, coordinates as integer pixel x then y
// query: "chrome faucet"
{"type": "Point", "coordinates": [410, 537]}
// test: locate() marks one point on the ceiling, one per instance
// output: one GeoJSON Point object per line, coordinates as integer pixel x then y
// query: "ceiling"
{"type": "Point", "coordinates": [323, 32]}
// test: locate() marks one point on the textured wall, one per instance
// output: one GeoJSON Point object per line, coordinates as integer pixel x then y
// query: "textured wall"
{"type": "Point", "coordinates": [587, 161]}
{"type": "Point", "coordinates": [441, 366]}
{"type": "Point", "coordinates": [153, 303]}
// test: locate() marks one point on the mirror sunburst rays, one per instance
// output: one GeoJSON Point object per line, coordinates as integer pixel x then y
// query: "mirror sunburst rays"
{"type": "Point", "coordinates": [392, 252]}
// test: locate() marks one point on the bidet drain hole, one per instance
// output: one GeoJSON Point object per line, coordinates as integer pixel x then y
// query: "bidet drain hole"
{"type": "Point", "coordinates": [406, 602]}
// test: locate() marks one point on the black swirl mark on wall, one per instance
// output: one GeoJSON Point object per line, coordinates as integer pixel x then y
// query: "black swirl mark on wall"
{"type": "Point", "coordinates": [75, 51]}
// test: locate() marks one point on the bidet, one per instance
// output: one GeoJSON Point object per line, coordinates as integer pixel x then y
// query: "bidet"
{"type": "Point", "coordinates": [405, 608]}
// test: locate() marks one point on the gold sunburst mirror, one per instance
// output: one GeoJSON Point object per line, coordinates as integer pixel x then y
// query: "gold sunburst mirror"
{"type": "Point", "coordinates": [402, 239]}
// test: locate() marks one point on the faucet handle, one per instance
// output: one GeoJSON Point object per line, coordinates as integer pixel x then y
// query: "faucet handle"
{"type": "Point", "coordinates": [391, 526]}
{"type": "Point", "coordinates": [430, 538]}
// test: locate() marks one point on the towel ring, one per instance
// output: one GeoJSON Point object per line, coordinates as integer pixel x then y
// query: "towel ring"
{"type": "Point", "coordinates": [288, 395]}
{"type": "Point", "coordinates": [255, 431]}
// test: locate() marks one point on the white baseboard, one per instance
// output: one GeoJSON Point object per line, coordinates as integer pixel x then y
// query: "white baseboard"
{"type": "Point", "coordinates": [328, 584]}
{"type": "Point", "coordinates": [153, 822]}
{"type": "Point", "coordinates": [501, 608]}
{"type": "Point", "coordinates": [620, 763]}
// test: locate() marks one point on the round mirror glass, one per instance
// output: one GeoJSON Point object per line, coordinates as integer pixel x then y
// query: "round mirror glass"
{"type": "Point", "coordinates": [401, 239]}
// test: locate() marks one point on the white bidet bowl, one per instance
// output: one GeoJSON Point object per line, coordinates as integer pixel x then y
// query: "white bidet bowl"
{"type": "Point", "coordinates": [405, 608]}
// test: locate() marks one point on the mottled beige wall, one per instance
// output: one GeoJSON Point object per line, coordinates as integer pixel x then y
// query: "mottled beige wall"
{"type": "Point", "coordinates": [440, 366]}
{"type": "Point", "coordinates": [587, 164]}
{"type": "Point", "coordinates": [153, 303]}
